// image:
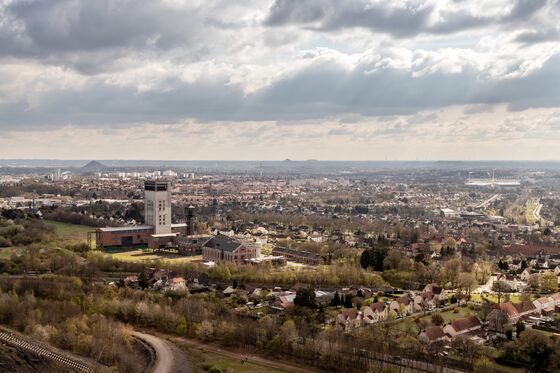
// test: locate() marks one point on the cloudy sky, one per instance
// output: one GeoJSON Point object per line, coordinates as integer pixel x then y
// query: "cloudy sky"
{"type": "Point", "coordinates": [275, 79]}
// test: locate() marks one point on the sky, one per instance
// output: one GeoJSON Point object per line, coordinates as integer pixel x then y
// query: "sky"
{"type": "Point", "coordinates": [276, 79]}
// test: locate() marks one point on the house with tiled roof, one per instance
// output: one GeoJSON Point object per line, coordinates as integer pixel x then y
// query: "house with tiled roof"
{"type": "Point", "coordinates": [349, 319]}
{"type": "Point", "coordinates": [438, 292]}
{"type": "Point", "coordinates": [525, 308]}
{"type": "Point", "coordinates": [424, 301]}
{"type": "Point", "coordinates": [376, 312]}
{"type": "Point", "coordinates": [403, 305]}
{"type": "Point", "coordinates": [462, 326]}
{"type": "Point", "coordinates": [433, 334]}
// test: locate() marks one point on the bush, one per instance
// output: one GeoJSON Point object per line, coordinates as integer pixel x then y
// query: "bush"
{"type": "Point", "coordinates": [437, 319]}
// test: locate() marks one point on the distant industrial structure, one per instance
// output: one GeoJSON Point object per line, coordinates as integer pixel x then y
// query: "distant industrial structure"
{"type": "Point", "coordinates": [493, 181]}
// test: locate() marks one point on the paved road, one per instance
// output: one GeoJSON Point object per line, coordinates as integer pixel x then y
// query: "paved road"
{"type": "Point", "coordinates": [164, 355]}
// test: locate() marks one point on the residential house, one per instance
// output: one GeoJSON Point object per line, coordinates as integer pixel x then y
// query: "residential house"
{"type": "Point", "coordinates": [544, 305]}
{"type": "Point", "coordinates": [462, 326]}
{"type": "Point", "coordinates": [424, 301]}
{"type": "Point", "coordinates": [433, 334]}
{"type": "Point", "coordinates": [439, 293]}
{"type": "Point", "coordinates": [284, 301]}
{"type": "Point", "coordinates": [376, 312]}
{"type": "Point", "coordinates": [525, 308]}
{"type": "Point", "coordinates": [403, 305]}
{"type": "Point", "coordinates": [349, 319]}
{"type": "Point", "coordinates": [525, 274]}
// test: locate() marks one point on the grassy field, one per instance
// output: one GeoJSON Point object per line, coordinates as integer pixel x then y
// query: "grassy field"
{"type": "Point", "coordinates": [140, 255]}
{"type": "Point", "coordinates": [207, 360]}
{"type": "Point", "coordinates": [451, 316]}
{"type": "Point", "coordinates": [70, 231]}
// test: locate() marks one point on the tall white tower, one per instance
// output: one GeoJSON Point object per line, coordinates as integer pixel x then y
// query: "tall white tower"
{"type": "Point", "coordinates": [157, 205]}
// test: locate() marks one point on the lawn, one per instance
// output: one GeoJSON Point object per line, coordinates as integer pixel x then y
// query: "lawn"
{"type": "Point", "coordinates": [71, 232]}
{"type": "Point", "coordinates": [140, 255]}
{"type": "Point", "coordinates": [449, 316]}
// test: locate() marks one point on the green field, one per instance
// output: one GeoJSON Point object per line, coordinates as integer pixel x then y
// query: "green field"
{"type": "Point", "coordinates": [71, 231]}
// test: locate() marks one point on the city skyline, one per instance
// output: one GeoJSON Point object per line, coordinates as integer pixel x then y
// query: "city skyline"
{"type": "Point", "coordinates": [270, 80]}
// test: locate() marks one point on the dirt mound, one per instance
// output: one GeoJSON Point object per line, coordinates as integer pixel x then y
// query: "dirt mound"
{"type": "Point", "coordinates": [21, 361]}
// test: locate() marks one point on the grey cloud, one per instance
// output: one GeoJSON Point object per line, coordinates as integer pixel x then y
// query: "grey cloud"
{"type": "Point", "coordinates": [320, 91]}
{"type": "Point", "coordinates": [89, 35]}
{"type": "Point", "coordinates": [408, 20]}
{"type": "Point", "coordinates": [538, 36]}
{"type": "Point", "coordinates": [333, 15]}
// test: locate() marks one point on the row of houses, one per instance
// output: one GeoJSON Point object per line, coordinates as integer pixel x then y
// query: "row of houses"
{"type": "Point", "coordinates": [499, 318]}
{"type": "Point", "coordinates": [405, 305]}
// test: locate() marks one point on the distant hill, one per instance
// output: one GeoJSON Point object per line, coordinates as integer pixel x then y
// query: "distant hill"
{"type": "Point", "coordinates": [94, 165]}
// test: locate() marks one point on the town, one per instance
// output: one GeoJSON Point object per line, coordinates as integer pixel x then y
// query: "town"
{"type": "Point", "coordinates": [444, 273]}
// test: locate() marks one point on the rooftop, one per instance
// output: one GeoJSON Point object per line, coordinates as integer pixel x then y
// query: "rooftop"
{"type": "Point", "coordinates": [126, 229]}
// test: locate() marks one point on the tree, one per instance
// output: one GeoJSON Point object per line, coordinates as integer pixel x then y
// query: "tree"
{"type": "Point", "coordinates": [181, 328]}
{"type": "Point", "coordinates": [504, 266]}
{"type": "Point", "coordinates": [366, 258]}
{"type": "Point", "coordinates": [531, 347]}
{"type": "Point", "coordinates": [392, 260]}
{"type": "Point", "coordinates": [143, 280]}
{"type": "Point", "coordinates": [336, 300]}
{"type": "Point", "coordinates": [500, 287]}
{"type": "Point", "coordinates": [347, 301]}
{"type": "Point", "coordinates": [534, 281]}
{"type": "Point", "coordinates": [373, 258]}
{"type": "Point", "coordinates": [519, 328]}
{"type": "Point", "coordinates": [451, 270]}
{"type": "Point", "coordinates": [305, 297]}
{"type": "Point", "coordinates": [467, 281]}
{"type": "Point", "coordinates": [549, 282]}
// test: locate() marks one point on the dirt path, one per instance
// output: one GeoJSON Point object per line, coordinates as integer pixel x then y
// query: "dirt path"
{"type": "Point", "coordinates": [274, 364]}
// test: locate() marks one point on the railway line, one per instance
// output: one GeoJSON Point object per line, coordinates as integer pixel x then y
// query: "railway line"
{"type": "Point", "coordinates": [20, 343]}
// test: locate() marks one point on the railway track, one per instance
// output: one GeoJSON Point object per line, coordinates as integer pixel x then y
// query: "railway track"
{"type": "Point", "coordinates": [36, 349]}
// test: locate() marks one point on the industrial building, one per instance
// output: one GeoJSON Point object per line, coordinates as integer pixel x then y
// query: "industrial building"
{"type": "Point", "coordinates": [158, 232]}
